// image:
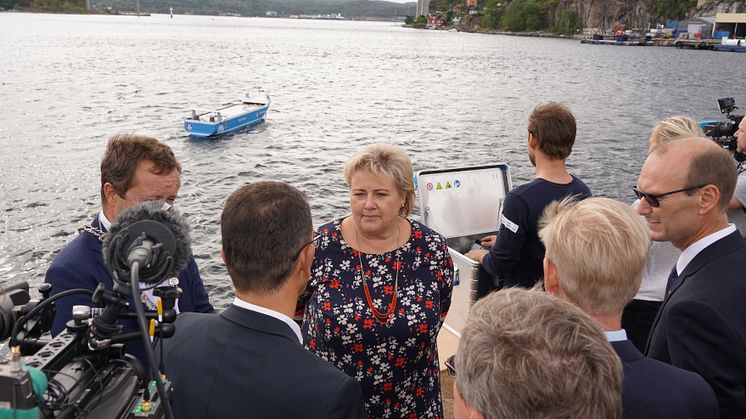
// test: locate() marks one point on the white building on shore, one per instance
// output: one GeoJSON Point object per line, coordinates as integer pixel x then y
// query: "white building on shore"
{"type": "Point", "coordinates": [423, 7]}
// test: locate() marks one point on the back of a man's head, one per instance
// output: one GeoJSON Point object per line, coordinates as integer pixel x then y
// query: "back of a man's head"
{"type": "Point", "coordinates": [124, 152]}
{"type": "Point", "coordinates": [263, 226]}
{"type": "Point", "coordinates": [526, 354]}
{"type": "Point", "coordinates": [553, 126]}
{"type": "Point", "coordinates": [599, 248]}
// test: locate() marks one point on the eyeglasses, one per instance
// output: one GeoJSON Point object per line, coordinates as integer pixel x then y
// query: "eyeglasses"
{"type": "Point", "coordinates": [654, 199]}
{"type": "Point", "coordinates": [451, 365]}
{"type": "Point", "coordinates": [313, 240]}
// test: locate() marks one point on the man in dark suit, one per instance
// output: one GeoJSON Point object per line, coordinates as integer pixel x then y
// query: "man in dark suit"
{"type": "Point", "coordinates": [596, 253]}
{"type": "Point", "coordinates": [134, 169]}
{"type": "Point", "coordinates": [528, 354]}
{"type": "Point", "coordinates": [684, 190]}
{"type": "Point", "coordinates": [249, 361]}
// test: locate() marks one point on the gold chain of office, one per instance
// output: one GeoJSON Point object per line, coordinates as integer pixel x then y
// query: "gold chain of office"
{"type": "Point", "coordinates": [93, 230]}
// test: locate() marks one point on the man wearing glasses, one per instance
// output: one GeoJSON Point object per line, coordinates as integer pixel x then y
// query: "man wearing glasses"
{"type": "Point", "coordinates": [249, 361]}
{"type": "Point", "coordinates": [684, 190]}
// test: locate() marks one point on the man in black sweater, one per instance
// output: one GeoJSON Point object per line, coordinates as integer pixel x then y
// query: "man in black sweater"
{"type": "Point", "coordinates": [516, 252]}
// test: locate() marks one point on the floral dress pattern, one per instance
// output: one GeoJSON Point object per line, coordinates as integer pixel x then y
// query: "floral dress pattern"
{"type": "Point", "coordinates": [395, 363]}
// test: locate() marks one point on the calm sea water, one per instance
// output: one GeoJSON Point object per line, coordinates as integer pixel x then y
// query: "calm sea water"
{"type": "Point", "coordinates": [450, 99]}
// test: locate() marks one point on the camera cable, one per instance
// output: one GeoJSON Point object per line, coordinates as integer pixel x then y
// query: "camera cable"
{"type": "Point", "coordinates": [39, 307]}
{"type": "Point", "coordinates": [140, 310]}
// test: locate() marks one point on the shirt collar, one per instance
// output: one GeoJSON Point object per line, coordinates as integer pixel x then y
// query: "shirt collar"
{"type": "Point", "coordinates": [693, 250]}
{"type": "Point", "coordinates": [105, 223]}
{"type": "Point", "coordinates": [271, 313]}
{"type": "Point", "coordinates": [616, 335]}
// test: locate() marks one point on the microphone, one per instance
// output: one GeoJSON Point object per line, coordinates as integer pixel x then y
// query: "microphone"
{"type": "Point", "coordinates": [152, 234]}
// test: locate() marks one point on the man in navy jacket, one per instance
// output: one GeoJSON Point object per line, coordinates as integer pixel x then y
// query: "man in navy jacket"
{"type": "Point", "coordinates": [596, 253]}
{"type": "Point", "coordinates": [134, 169]}
{"type": "Point", "coordinates": [684, 189]}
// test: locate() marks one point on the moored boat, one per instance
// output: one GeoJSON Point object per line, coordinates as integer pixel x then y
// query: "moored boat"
{"type": "Point", "coordinates": [731, 45]}
{"type": "Point", "coordinates": [245, 113]}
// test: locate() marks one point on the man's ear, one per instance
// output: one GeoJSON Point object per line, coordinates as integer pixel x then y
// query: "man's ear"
{"type": "Point", "coordinates": [110, 193]}
{"type": "Point", "coordinates": [551, 279]}
{"type": "Point", "coordinates": [305, 260]}
{"type": "Point", "coordinates": [532, 143]}
{"type": "Point", "coordinates": [708, 198]}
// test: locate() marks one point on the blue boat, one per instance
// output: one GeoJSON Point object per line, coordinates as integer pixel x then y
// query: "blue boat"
{"type": "Point", "coordinates": [246, 113]}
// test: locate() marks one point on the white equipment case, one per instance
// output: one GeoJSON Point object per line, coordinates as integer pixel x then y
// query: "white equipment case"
{"type": "Point", "coordinates": [463, 205]}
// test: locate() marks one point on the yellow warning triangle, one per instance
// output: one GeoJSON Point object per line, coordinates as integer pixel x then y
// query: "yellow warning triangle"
{"type": "Point", "coordinates": [439, 186]}
{"type": "Point", "coordinates": [448, 185]}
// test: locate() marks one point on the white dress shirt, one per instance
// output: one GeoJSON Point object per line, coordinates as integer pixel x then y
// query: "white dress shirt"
{"type": "Point", "coordinates": [271, 313]}
{"type": "Point", "coordinates": [616, 335]}
{"type": "Point", "coordinates": [695, 248]}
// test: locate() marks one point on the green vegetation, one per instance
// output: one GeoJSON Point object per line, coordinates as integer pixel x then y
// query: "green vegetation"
{"type": "Point", "coordinates": [53, 6]}
{"type": "Point", "coordinates": [347, 8]}
{"type": "Point", "coordinates": [491, 15]}
{"type": "Point", "coordinates": [551, 15]}
{"type": "Point", "coordinates": [418, 22]}
{"type": "Point", "coordinates": [672, 9]}
{"type": "Point", "coordinates": [527, 15]}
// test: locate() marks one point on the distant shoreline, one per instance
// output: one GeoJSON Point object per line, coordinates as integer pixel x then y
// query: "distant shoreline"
{"type": "Point", "coordinates": [127, 13]}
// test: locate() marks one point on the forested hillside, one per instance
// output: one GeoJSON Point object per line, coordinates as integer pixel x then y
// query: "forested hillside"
{"type": "Point", "coordinates": [562, 16]}
{"type": "Point", "coordinates": [349, 9]}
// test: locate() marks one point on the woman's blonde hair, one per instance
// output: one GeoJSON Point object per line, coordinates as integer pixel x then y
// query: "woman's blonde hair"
{"type": "Point", "coordinates": [390, 160]}
{"type": "Point", "coordinates": [674, 128]}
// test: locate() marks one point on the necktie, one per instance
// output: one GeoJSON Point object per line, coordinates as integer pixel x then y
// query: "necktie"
{"type": "Point", "coordinates": [672, 277]}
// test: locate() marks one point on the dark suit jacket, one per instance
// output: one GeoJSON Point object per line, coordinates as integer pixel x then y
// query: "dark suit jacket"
{"type": "Point", "coordinates": [652, 389]}
{"type": "Point", "coordinates": [80, 264]}
{"type": "Point", "coordinates": [244, 364]}
{"type": "Point", "coordinates": [701, 325]}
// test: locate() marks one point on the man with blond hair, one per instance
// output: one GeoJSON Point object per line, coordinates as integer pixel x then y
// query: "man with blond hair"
{"type": "Point", "coordinates": [525, 354]}
{"type": "Point", "coordinates": [596, 253]}
{"type": "Point", "coordinates": [701, 324]}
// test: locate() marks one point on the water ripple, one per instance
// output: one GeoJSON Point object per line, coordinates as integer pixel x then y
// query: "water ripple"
{"type": "Point", "coordinates": [450, 99]}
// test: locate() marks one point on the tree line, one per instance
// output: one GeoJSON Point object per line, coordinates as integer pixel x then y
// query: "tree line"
{"type": "Point", "coordinates": [542, 15]}
{"type": "Point", "coordinates": [347, 8]}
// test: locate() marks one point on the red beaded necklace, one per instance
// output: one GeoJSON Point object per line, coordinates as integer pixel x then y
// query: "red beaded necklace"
{"type": "Point", "coordinates": [387, 316]}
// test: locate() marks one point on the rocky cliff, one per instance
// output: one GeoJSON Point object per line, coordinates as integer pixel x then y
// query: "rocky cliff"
{"type": "Point", "coordinates": [604, 14]}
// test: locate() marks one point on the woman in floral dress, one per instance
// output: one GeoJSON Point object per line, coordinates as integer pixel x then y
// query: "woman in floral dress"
{"type": "Point", "coordinates": [380, 289]}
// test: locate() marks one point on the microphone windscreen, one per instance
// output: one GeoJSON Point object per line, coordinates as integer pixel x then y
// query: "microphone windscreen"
{"type": "Point", "coordinates": [160, 213]}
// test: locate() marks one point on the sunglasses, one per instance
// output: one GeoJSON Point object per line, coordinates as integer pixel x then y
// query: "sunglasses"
{"type": "Point", "coordinates": [451, 365]}
{"type": "Point", "coordinates": [312, 241]}
{"type": "Point", "coordinates": [654, 199]}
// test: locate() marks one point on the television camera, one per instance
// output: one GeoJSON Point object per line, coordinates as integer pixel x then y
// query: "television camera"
{"type": "Point", "coordinates": [723, 131]}
{"type": "Point", "coordinates": [85, 368]}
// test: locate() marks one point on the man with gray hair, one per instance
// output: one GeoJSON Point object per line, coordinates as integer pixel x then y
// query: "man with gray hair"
{"type": "Point", "coordinates": [526, 354]}
{"type": "Point", "coordinates": [684, 190]}
{"type": "Point", "coordinates": [596, 253]}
